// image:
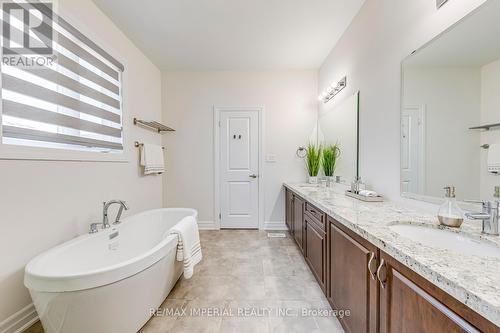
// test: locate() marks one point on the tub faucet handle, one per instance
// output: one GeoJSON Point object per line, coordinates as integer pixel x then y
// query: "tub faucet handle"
{"type": "Point", "coordinates": [94, 228]}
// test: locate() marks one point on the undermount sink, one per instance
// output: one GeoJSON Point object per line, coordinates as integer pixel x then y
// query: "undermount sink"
{"type": "Point", "coordinates": [447, 240]}
{"type": "Point", "coordinates": [308, 186]}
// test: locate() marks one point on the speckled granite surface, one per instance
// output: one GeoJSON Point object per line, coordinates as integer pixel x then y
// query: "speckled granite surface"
{"type": "Point", "coordinates": [473, 280]}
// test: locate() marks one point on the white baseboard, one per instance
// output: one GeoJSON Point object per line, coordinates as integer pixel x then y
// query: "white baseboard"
{"type": "Point", "coordinates": [207, 225]}
{"type": "Point", "coordinates": [20, 321]}
{"type": "Point", "coordinates": [274, 225]}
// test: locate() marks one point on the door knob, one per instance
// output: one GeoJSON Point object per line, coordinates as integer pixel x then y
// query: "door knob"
{"type": "Point", "coordinates": [253, 176]}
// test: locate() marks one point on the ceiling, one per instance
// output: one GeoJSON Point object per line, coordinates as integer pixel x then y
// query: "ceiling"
{"type": "Point", "coordinates": [233, 34]}
{"type": "Point", "coordinates": [473, 42]}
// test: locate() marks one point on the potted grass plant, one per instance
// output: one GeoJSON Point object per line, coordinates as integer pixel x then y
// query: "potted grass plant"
{"type": "Point", "coordinates": [313, 162]}
{"type": "Point", "coordinates": [331, 154]}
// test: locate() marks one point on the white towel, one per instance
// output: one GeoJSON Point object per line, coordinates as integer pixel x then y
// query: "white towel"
{"type": "Point", "coordinates": [188, 246]}
{"type": "Point", "coordinates": [367, 193]}
{"type": "Point", "coordinates": [494, 158]}
{"type": "Point", "coordinates": [152, 159]}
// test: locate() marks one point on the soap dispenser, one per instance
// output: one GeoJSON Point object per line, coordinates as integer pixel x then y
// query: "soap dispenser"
{"type": "Point", "coordinates": [449, 213]}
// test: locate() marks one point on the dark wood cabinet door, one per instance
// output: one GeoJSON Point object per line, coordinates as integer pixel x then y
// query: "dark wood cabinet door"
{"type": "Point", "coordinates": [408, 303]}
{"type": "Point", "coordinates": [289, 210]}
{"type": "Point", "coordinates": [298, 221]}
{"type": "Point", "coordinates": [315, 250]}
{"type": "Point", "coordinates": [351, 284]}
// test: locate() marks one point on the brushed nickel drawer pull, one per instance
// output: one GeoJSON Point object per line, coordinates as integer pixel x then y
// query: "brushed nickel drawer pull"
{"type": "Point", "coordinates": [372, 266]}
{"type": "Point", "coordinates": [382, 273]}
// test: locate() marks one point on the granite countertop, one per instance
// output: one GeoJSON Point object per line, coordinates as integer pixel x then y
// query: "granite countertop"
{"type": "Point", "coordinates": [473, 280]}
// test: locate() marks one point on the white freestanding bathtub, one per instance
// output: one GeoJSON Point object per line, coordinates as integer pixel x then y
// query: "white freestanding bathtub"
{"type": "Point", "coordinates": [110, 281]}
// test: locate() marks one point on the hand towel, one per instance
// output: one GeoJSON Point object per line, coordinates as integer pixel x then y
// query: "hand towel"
{"type": "Point", "coordinates": [367, 193]}
{"type": "Point", "coordinates": [494, 158]}
{"type": "Point", "coordinates": [188, 246]}
{"type": "Point", "coordinates": [152, 159]}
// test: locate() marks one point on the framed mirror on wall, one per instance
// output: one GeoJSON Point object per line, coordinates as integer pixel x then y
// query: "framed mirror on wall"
{"type": "Point", "coordinates": [338, 124]}
{"type": "Point", "coordinates": [450, 99]}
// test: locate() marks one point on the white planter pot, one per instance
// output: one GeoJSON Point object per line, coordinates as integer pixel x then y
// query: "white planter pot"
{"type": "Point", "coordinates": [313, 179]}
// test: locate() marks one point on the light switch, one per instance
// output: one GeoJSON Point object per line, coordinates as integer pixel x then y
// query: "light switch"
{"type": "Point", "coordinates": [271, 158]}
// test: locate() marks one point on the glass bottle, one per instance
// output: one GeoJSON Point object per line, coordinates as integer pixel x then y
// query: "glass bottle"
{"type": "Point", "coordinates": [449, 213]}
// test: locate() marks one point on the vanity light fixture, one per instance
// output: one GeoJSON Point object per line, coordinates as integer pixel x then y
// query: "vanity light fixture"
{"type": "Point", "coordinates": [333, 90]}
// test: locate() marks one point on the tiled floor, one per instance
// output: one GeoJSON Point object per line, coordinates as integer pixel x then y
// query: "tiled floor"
{"type": "Point", "coordinates": [258, 284]}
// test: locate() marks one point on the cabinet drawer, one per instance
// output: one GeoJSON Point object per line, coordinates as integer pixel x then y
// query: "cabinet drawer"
{"type": "Point", "coordinates": [317, 216]}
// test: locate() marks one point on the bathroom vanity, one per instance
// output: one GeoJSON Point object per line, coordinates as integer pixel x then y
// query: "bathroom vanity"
{"type": "Point", "coordinates": [396, 269]}
{"type": "Point", "coordinates": [391, 283]}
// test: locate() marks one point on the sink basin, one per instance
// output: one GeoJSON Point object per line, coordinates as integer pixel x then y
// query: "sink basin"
{"type": "Point", "coordinates": [308, 185]}
{"type": "Point", "coordinates": [447, 240]}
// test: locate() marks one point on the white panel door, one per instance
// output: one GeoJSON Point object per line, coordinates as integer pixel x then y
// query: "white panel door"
{"type": "Point", "coordinates": [239, 169]}
{"type": "Point", "coordinates": [412, 150]}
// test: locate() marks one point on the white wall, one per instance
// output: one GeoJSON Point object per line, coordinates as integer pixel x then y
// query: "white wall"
{"type": "Point", "coordinates": [44, 203]}
{"type": "Point", "coordinates": [452, 99]}
{"type": "Point", "coordinates": [490, 113]}
{"type": "Point", "coordinates": [370, 54]}
{"type": "Point", "coordinates": [290, 105]}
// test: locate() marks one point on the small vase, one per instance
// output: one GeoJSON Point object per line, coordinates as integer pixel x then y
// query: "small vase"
{"type": "Point", "coordinates": [329, 181]}
{"type": "Point", "coordinates": [313, 179]}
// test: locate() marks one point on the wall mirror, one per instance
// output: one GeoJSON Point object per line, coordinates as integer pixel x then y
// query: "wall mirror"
{"type": "Point", "coordinates": [338, 124]}
{"type": "Point", "coordinates": [450, 97]}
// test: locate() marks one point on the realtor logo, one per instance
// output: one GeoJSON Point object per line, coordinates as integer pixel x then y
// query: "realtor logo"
{"type": "Point", "coordinates": [27, 33]}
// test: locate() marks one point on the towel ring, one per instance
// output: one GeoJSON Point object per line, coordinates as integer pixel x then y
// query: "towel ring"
{"type": "Point", "coordinates": [301, 152]}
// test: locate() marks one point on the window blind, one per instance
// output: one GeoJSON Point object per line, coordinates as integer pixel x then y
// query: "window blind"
{"type": "Point", "coordinates": [76, 102]}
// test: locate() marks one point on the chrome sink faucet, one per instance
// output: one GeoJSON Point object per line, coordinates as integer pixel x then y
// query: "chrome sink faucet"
{"type": "Point", "coordinates": [489, 215]}
{"type": "Point", "coordinates": [105, 221]}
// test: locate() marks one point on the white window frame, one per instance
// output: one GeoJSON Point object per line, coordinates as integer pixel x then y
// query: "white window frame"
{"type": "Point", "coordinates": [20, 152]}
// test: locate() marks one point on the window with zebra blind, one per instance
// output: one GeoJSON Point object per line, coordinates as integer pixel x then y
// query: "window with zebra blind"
{"type": "Point", "coordinates": [59, 89]}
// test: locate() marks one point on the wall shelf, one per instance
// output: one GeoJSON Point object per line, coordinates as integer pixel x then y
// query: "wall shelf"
{"type": "Point", "coordinates": [485, 127]}
{"type": "Point", "coordinates": [153, 125]}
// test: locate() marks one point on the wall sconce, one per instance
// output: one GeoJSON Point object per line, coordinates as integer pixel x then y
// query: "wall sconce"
{"type": "Point", "coordinates": [439, 3]}
{"type": "Point", "coordinates": [333, 90]}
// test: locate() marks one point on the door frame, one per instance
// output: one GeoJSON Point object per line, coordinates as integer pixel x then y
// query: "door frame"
{"type": "Point", "coordinates": [422, 112]}
{"type": "Point", "coordinates": [216, 126]}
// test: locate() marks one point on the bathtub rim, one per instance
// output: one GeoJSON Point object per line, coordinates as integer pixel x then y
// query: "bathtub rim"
{"type": "Point", "coordinates": [100, 277]}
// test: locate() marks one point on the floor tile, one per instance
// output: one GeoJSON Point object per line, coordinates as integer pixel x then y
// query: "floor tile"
{"type": "Point", "coordinates": [246, 282]}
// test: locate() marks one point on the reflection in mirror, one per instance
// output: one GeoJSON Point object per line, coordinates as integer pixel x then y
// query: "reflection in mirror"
{"type": "Point", "coordinates": [338, 124]}
{"type": "Point", "coordinates": [449, 86]}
